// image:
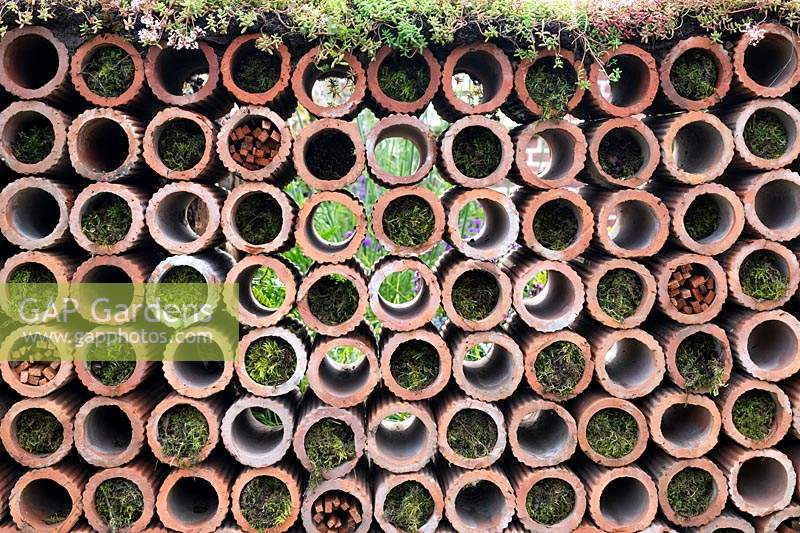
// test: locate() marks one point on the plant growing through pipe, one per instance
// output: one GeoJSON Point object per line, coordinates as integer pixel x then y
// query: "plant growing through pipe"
{"type": "Point", "coordinates": [619, 293]}
{"type": "Point", "coordinates": [694, 75]}
{"type": "Point", "coordinates": [408, 221]}
{"type": "Point", "coordinates": [551, 82]}
{"type": "Point", "coordinates": [267, 288]}
{"type": "Point", "coordinates": [111, 361]}
{"type": "Point", "coordinates": [690, 491]}
{"type": "Point", "coordinates": [414, 365]}
{"type": "Point", "coordinates": [403, 78]}
{"type": "Point", "coordinates": [765, 135]}
{"type": "Point", "coordinates": [559, 367]}
{"type": "Point", "coordinates": [699, 360]}
{"type": "Point", "coordinates": [333, 299]}
{"type": "Point", "coordinates": [475, 294]}
{"type": "Point", "coordinates": [265, 502]}
{"type": "Point", "coordinates": [702, 217]}
{"type": "Point", "coordinates": [476, 152]}
{"type": "Point", "coordinates": [33, 141]}
{"type": "Point", "coordinates": [612, 432]}
{"type": "Point", "coordinates": [330, 154]}
{"type": "Point", "coordinates": [761, 277]}
{"type": "Point", "coordinates": [109, 71]}
{"type": "Point", "coordinates": [119, 502]}
{"type": "Point", "coordinates": [754, 414]}
{"type": "Point", "coordinates": [471, 433]}
{"type": "Point", "coordinates": [408, 506]}
{"type": "Point", "coordinates": [550, 501]}
{"type": "Point", "coordinates": [181, 144]}
{"type": "Point", "coordinates": [258, 218]}
{"type": "Point", "coordinates": [270, 361]}
{"type": "Point", "coordinates": [106, 219]}
{"type": "Point", "coordinates": [329, 443]}
{"type": "Point", "coordinates": [266, 417]}
{"type": "Point", "coordinates": [38, 431]}
{"type": "Point", "coordinates": [555, 225]}
{"type": "Point", "coordinates": [256, 71]}
{"type": "Point", "coordinates": [619, 154]}
{"type": "Point", "coordinates": [182, 433]}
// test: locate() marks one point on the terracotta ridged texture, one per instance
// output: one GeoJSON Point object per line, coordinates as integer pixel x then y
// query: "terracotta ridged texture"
{"type": "Point", "coordinates": [319, 249]}
{"type": "Point", "coordinates": [264, 194]}
{"type": "Point", "coordinates": [593, 272]}
{"type": "Point", "coordinates": [540, 433]}
{"type": "Point", "coordinates": [740, 385]}
{"type": "Point", "coordinates": [630, 223]}
{"type": "Point", "coordinates": [33, 500]}
{"type": "Point", "coordinates": [392, 345]}
{"type": "Point", "coordinates": [288, 474]}
{"type": "Point", "coordinates": [136, 96]}
{"type": "Point", "coordinates": [306, 74]}
{"type": "Point", "coordinates": [383, 104]}
{"type": "Point", "coordinates": [353, 272]}
{"type": "Point", "coordinates": [356, 485]}
{"type": "Point", "coordinates": [106, 145]}
{"type": "Point", "coordinates": [737, 119]}
{"type": "Point", "coordinates": [781, 258]}
{"type": "Point", "coordinates": [728, 519]}
{"type": "Point", "coordinates": [449, 142]}
{"type": "Point", "coordinates": [136, 200]}
{"type": "Point", "coordinates": [9, 472]}
{"type": "Point", "coordinates": [631, 128]}
{"type": "Point", "coordinates": [382, 232]}
{"type": "Point", "coordinates": [291, 334]}
{"type": "Point", "coordinates": [767, 66]}
{"type": "Point", "coordinates": [535, 208]}
{"type": "Point", "coordinates": [498, 231]}
{"type": "Point", "coordinates": [384, 484]}
{"type": "Point", "coordinates": [25, 223]}
{"type": "Point", "coordinates": [448, 406]}
{"type": "Point", "coordinates": [777, 520]}
{"type": "Point", "coordinates": [404, 316]}
{"type": "Point", "coordinates": [413, 130]}
{"type": "Point", "coordinates": [771, 202]}
{"type": "Point", "coordinates": [489, 510]}
{"type": "Point", "coordinates": [58, 263]}
{"type": "Point", "coordinates": [524, 480]}
{"type": "Point", "coordinates": [400, 446]}
{"type": "Point", "coordinates": [20, 77]}
{"type": "Point", "coordinates": [23, 114]}
{"type": "Point", "coordinates": [699, 44]}
{"type": "Point", "coordinates": [201, 376]}
{"type": "Point", "coordinates": [248, 440]}
{"type": "Point", "coordinates": [627, 98]}
{"type": "Point", "coordinates": [619, 499]}
{"type": "Point", "coordinates": [665, 266]}
{"type": "Point", "coordinates": [567, 151]}
{"type": "Point", "coordinates": [245, 305]}
{"type": "Point", "coordinates": [592, 403]}
{"type": "Point", "coordinates": [211, 410]}
{"type": "Point", "coordinates": [765, 344]}
{"type": "Point", "coordinates": [184, 218]}
{"type": "Point", "coordinates": [672, 335]}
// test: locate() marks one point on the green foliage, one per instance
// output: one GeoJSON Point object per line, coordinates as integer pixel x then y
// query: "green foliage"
{"type": "Point", "coordinates": [472, 433]}
{"type": "Point", "coordinates": [689, 492]}
{"type": "Point", "coordinates": [476, 152]}
{"type": "Point", "coordinates": [270, 361]}
{"type": "Point", "coordinates": [550, 501]}
{"type": "Point", "coordinates": [694, 75]}
{"type": "Point", "coordinates": [181, 144]}
{"type": "Point", "coordinates": [267, 288]}
{"type": "Point", "coordinates": [765, 136]}
{"type": "Point", "coordinates": [408, 221]}
{"type": "Point", "coordinates": [182, 286]}
{"type": "Point", "coordinates": [182, 433]}
{"type": "Point", "coordinates": [258, 218]}
{"type": "Point", "coordinates": [619, 293]}
{"type": "Point", "coordinates": [330, 154]}
{"type": "Point", "coordinates": [265, 502]}
{"type": "Point", "coordinates": [408, 506]}
{"type": "Point", "coordinates": [345, 355]}
{"type": "Point", "coordinates": [555, 225]}
{"type": "Point", "coordinates": [404, 79]}
{"type": "Point", "coordinates": [699, 361]}
{"type": "Point", "coordinates": [475, 294]}
{"type": "Point", "coordinates": [414, 365]}
{"type": "Point", "coordinates": [106, 219]}
{"type": "Point", "coordinates": [116, 368]}
{"type": "Point", "coordinates": [329, 443]}
{"type": "Point", "coordinates": [33, 143]}
{"type": "Point", "coordinates": [702, 217]}
{"type": "Point", "coordinates": [551, 83]}
{"type": "Point", "coordinates": [119, 502]}
{"type": "Point", "coordinates": [257, 71]}
{"type": "Point", "coordinates": [400, 287]}
{"type": "Point", "coordinates": [559, 366]}
{"type": "Point", "coordinates": [754, 414]}
{"type": "Point", "coordinates": [333, 299]}
{"type": "Point", "coordinates": [612, 432]}
{"type": "Point", "coordinates": [109, 72]}
{"type": "Point", "coordinates": [266, 417]}
{"type": "Point", "coordinates": [38, 431]}
{"type": "Point", "coordinates": [620, 155]}
{"type": "Point", "coordinates": [31, 281]}
{"type": "Point", "coordinates": [761, 277]}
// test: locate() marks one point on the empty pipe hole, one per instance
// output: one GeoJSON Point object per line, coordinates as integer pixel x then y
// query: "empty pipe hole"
{"type": "Point", "coordinates": [477, 77]}
{"type": "Point", "coordinates": [633, 225]}
{"type": "Point", "coordinates": [771, 61]}
{"type": "Point", "coordinates": [686, 425]}
{"type": "Point", "coordinates": [777, 205]}
{"type": "Point", "coordinates": [697, 147]}
{"type": "Point", "coordinates": [543, 434]}
{"type": "Point", "coordinates": [198, 374]}
{"type": "Point", "coordinates": [632, 82]}
{"type": "Point", "coordinates": [409, 221]}
{"type": "Point", "coordinates": [30, 135]}
{"type": "Point", "coordinates": [192, 500]}
{"type": "Point", "coordinates": [762, 481]}
{"type": "Point", "coordinates": [21, 67]}
{"type": "Point", "coordinates": [261, 290]}
{"type": "Point", "coordinates": [478, 505]}
{"type": "Point", "coordinates": [399, 150]}
{"type": "Point", "coordinates": [344, 370]}
{"type": "Point", "coordinates": [105, 287]}
{"type": "Point", "coordinates": [182, 72]}
{"type": "Point", "coordinates": [332, 87]}
{"type": "Point", "coordinates": [769, 133]}
{"type": "Point", "coordinates": [34, 213]}
{"type": "Point", "coordinates": [255, 71]}
{"type": "Point", "coordinates": [550, 296]}
{"type": "Point", "coordinates": [401, 436]}
{"type": "Point", "coordinates": [330, 226]}
{"type": "Point", "coordinates": [102, 144]}
{"type": "Point", "coordinates": [471, 220]}
{"type": "Point", "coordinates": [485, 224]}
{"type": "Point", "coordinates": [624, 500]}
{"type": "Point", "coordinates": [622, 153]}
{"type": "Point", "coordinates": [257, 430]}
{"type": "Point", "coordinates": [629, 363]}
{"type": "Point", "coordinates": [772, 345]}
{"type": "Point", "coordinates": [709, 218]}
{"type": "Point", "coordinates": [108, 429]}
{"type": "Point", "coordinates": [45, 503]}
{"type": "Point", "coordinates": [404, 294]}
{"type": "Point", "coordinates": [182, 217]}
{"type": "Point", "coordinates": [258, 218]}
{"type": "Point", "coordinates": [105, 219]}
{"type": "Point", "coordinates": [492, 370]}
{"type": "Point", "coordinates": [329, 154]}
{"type": "Point", "coordinates": [551, 154]}
{"type": "Point", "coordinates": [476, 152]}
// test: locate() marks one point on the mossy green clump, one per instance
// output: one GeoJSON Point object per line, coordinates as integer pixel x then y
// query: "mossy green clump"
{"type": "Point", "coordinates": [106, 220]}
{"type": "Point", "coordinates": [550, 501]}
{"type": "Point", "coordinates": [329, 443]}
{"type": "Point", "coordinates": [765, 135]}
{"type": "Point", "coordinates": [694, 75]}
{"type": "Point", "coordinates": [761, 277]}
{"type": "Point", "coordinates": [258, 218]}
{"type": "Point", "coordinates": [266, 417]}
{"type": "Point", "coordinates": [330, 154]}
{"type": "Point", "coordinates": [404, 79]}
{"type": "Point", "coordinates": [109, 72]}
{"type": "Point", "coordinates": [476, 152]}
{"type": "Point", "coordinates": [619, 293]}
{"type": "Point", "coordinates": [612, 432]}
{"type": "Point", "coordinates": [112, 373]}
{"type": "Point", "coordinates": [555, 225]}
{"type": "Point", "coordinates": [38, 431]}
{"type": "Point", "coordinates": [559, 367]}
{"type": "Point", "coordinates": [31, 281]}
{"type": "Point", "coordinates": [33, 142]}
{"type": "Point", "coordinates": [182, 433]}
{"type": "Point", "coordinates": [689, 492]}
{"type": "Point", "coordinates": [475, 294]}
{"type": "Point", "coordinates": [472, 433]}
{"type": "Point", "coordinates": [265, 502]}
{"type": "Point", "coordinates": [754, 414]}
{"type": "Point", "coordinates": [181, 144]}
{"type": "Point", "coordinates": [408, 506]}
{"type": "Point", "coordinates": [408, 221]}
{"type": "Point", "coordinates": [551, 82]}
{"type": "Point", "coordinates": [270, 361]}
{"type": "Point", "coordinates": [333, 299]}
{"type": "Point", "coordinates": [119, 502]}
{"type": "Point", "coordinates": [182, 286]}
{"type": "Point", "coordinates": [267, 288]}
{"type": "Point", "coordinates": [414, 365]}
{"type": "Point", "coordinates": [702, 217]}
{"type": "Point", "coordinates": [111, 362]}
{"type": "Point", "coordinates": [620, 155]}
{"type": "Point", "coordinates": [699, 360]}
{"type": "Point", "coordinates": [257, 71]}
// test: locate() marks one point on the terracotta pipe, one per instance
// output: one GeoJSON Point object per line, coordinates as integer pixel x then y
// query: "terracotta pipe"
{"type": "Point", "coordinates": [499, 229]}
{"type": "Point", "coordinates": [56, 265]}
{"type": "Point", "coordinates": [45, 79]}
{"type": "Point", "coordinates": [289, 478]}
{"type": "Point", "coordinates": [540, 433]}
{"type": "Point", "coordinates": [248, 214]}
{"type": "Point", "coordinates": [119, 135]}
{"type": "Point", "coordinates": [95, 202]}
{"type": "Point", "coordinates": [319, 142]}
{"type": "Point", "coordinates": [36, 212]}
{"type": "Point", "coordinates": [540, 211]}
{"type": "Point", "coordinates": [771, 201]}
{"type": "Point", "coordinates": [21, 379]}
{"type": "Point", "coordinates": [9, 473]}
{"type": "Point", "coordinates": [588, 527]}
{"type": "Point", "coordinates": [307, 74]}
{"type": "Point", "coordinates": [739, 389]}
{"type": "Point", "coordinates": [566, 146]}
{"type": "Point", "coordinates": [778, 520]}
{"type": "Point", "coordinates": [404, 316]}
{"type": "Point", "coordinates": [728, 519]}
{"type": "Point", "coordinates": [184, 217]}
{"type": "Point", "coordinates": [673, 336]}
{"type": "Point", "coordinates": [450, 409]}
{"type": "Point", "coordinates": [780, 115]}
{"type": "Point", "coordinates": [42, 494]}
{"type": "Point", "coordinates": [284, 335]}
{"type": "Point", "coordinates": [391, 212]}
{"type": "Point", "coordinates": [765, 344]}
{"type": "Point", "coordinates": [598, 274]}
{"type": "Point", "coordinates": [622, 499]}
{"type": "Point", "coordinates": [696, 306]}
{"type": "Point", "coordinates": [243, 53]}
{"type": "Point", "coordinates": [392, 484]}
{"type": "Point", "coordinates": [592, 404]}
{"type": "Point", "coordinates": [791, 387]}
{"type": "Point", "coordinates": [20, 121]}
{"type": "Point", "coordinates": [312, 288]}
{"type": "Point", "coordinates": [410, 129]}
{"type": "Point", "coordinates": [456, 150]}
{"type": "Point", "coordinates": [90, 371]}
{"type": "Point", "coordinates": [699, 46]}
{"type": "Point", "coordinates": [195, 373]}
{"type": "Point", "coordinates": [529, 483]}
{"type": "Point", "coordinates": [248, 439]}
{"type": "Point", "coordinates": [402, 351]}
{"type": "Point", "coordinates": [605, 139]}
{"type": "Point", "coordinates": [355, 485]}
{"type": "Point", "coordinates": [746, 252]}
{"type": "Point", "coordinates": [477, 500]}
{"type": "Point", "coordinates": [318, 248]}
{"type": "Point", "coordinates": [385, 102]}
{"type": "Point", "coordinates": [245, 276]}
{"type": "Point", "coordinates": [755, 75]}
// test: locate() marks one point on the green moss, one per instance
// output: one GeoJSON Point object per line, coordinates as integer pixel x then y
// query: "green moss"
{"type": "Point", "coordinates": [257, 71]}
{"type": "Point", "coordinates": [270, 361]}
{"type": "Point", "coordinates": [38, 431]}
{"type": "Point", "coordinates": [404, 79]}
{"type": "Point", "coordinates": [765, 136]}
{"type": "Point", "coordinates": [559, 366]}
{"type": "Point", "coordinates": [408, 506]}
{"type": "Point", "coordinates": [408, 221]}
{"type": "Point", "coordinates": [555, 225]}
{"type": "Point", "coordinates": [109, 72]}
{"type": "Point", "coordinates": [119, 502]}
{"type": "Point", "coordinates": [329, 443]}
{"type": "Point", "coordinates": [550, 501]}
{"type": "Point", "coordinates": [475, 294]}
{"type": "Point", "coordinates": [106, 220]}
{"type": "Point", "coordinates": [33, 142]}
{"type": "Point", "coordinates": [551, 82]}
{"type": "Point", "coordinates": [472, 433]}
{"type": "Point", "coordinates": [112, 373]}
{"type": "Point", "coordinates": [345, 355]}
{"type": "Point", "coordinates": [699, 360]}
{"type": "Point", "coordinates": [267, 288]}
{"type": "Point", "coordinates": [619, 293]}
{"type": "Point", "coordinates": [689, 492]}
{"type": "Point", "coordinates": [258, 218]}
{"type": "Point", "coordinates": [754, 414]}
{"type": "Point", "coordinates": [182, 286]}
{"type": "Point", "coordinates": [476, 152]}
{"type": "Point", "coordinates": [112, 362]}
{"type": "Point", "coordinates": [620, 154]}
{"type": "Point", "coordinates": [266, 417]}
{"type": "Point", "coordinates": [612, 432]}
{"type": "Point", "coordinates": [181, 144]}
{"type": "Point", "coordinates": [31, 281]}
{"type": "Point", "coordinates": [182, 433]}
{"type": "Point", "coordinates": [265, 502]}
{"type": "Point", "coordinates": [694, 75]}
{"type": "Point", "coordinates": [761, 277]}
{"type": "Point", "coordinates": [330, 154]}
{"type": "Point", "coordinates": [333, 299]}
{"type": "Point", "coordinates": [414, 365]}
{"type": "Point", "coordinates": [702, 217]}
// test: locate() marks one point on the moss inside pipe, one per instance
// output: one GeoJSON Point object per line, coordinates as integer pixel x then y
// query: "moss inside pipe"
{"type": "Point", "coordinates": [31, 281]}
{"type": "Point", "coordinates": [408, 506]}
{"type": "Point", "coordinates": [408, 221]}
{"type": "Point", "coordinates": [689, 492]}
{"type": "Point", "coordinates": [181, 144]}
{"type": "Point", "coordinates": [472, 434]}
{"type": "Point", "coordinates": [402, 78]}
{"type": "Point", "coordinates": [119, 502]}
{"type": "Point", "coordinates": [619, 293]}
{"type": "Point", "coordinates": [765, 135]}
{"type": "Point", "coordinates": [559, 367]}
{"type": "Point", "coordinates": [475, 294]}
{"type": "Point", "coordinates": [414, 365]}
{"type": "Point", "coordinates": [106, 219]}
{"type": "Point", "coordinates": [702, 217]}
{"type": "Point", "coordinates": [699, 359]}
{"type": "Point", "coordinates": [182, 433]}
{"type": "Point", "coordinates": [111, 362]}
{"type": "Point", "coordinates": [270, 361]}
{"type": "Point", "coordinates": [266, 417]}
{"type": "Point", "coordinates": [551, 82]}
{"type": "Point", "coordinates": [38, 431]}
{"type": "Point", "coordinates": [256, 71]}
{"type": "Point", "coordinates": [183, 287]}
{"type": "Point", "coordinates": [612, 432]}
{"type": "Point", "coordinates": [258, 218]}
{"type": "Point", "coordinates": [109, 72]}
{"type": "Point", "coordinates": [761, 277]}
{"type": "Point", "coordinates": [550, 501]}
{"type": "Point", "coordinates": [555, 225]}
{"type": "Point", "coordinates": [694, 75]}
{"type": "Point", "coordinates": [754, 414]}
{"type": "Point", "coordinates": [476, 152]}
{"type": "Point", "coordinates": [267, 288]}
{"type": "Point", "coordinates": [329, 443]}
{"type": "Point", "coordinates": [333, 299]}
{"type": "Point", "coordinates": [620, 154]}
{"type": "Point", "coordinates": [330, 154]}
{"type": "Point", "coordinates": [33, 142]}
{"type": "Point", "coordinates": [265, 502]}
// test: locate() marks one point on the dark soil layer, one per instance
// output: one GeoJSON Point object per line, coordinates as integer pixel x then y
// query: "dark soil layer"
{"type": "Point", "coordinates": [333, 299]}
{"type": "Point", "coordinates": [555, 225]}
{"type": "Point", "coordinates": [330, 155]}
{"type": "Point", "coordinates": [106, 220]}
{"type": "Point", "coordinates": [475, 294]}
{"type": "Point", "coordinates": [476, 152]}
{"type": "Point", "coordinates": [620, 154]}
{"type": "Point", "coordinates": [702, 217]}
{"type": "Point", "coordinates": [559, 367]}
{"type": "Point", "coordinates": [258, 218]}
{"type": "Point", "coordinates": [404, 78]}
{"type": "Point", "coordinates": [256, 71]}
{"type": "Point", "coordinates": [414, 365]}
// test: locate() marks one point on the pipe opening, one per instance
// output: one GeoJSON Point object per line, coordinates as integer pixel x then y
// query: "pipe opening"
{"type": "Point", "coordinates": [632, 83]}
{"type": "Point", "coordinates": [180, 143]}
{"type": "Point", "coordinates": [556, 224]}
{"type": "Point", "coordinates": [105, 218]}
{"type": "Point", "coordinates": [401, 436]}
{"type": "Point", "coordinates": [330, 227]}
{"type": "Point", "coordinates": [404, 79]}
{"type": "Point", "coordinates": [709, 218]}
{"type": "Point", "coordinates": [257, 217]}
{"type": "Point", "coordinates": [257, 431]}
{"type": "Point", "coordinates": [400, 149]}
{"type": "Point", "coordinates": [629, 363]}
{"type": "Point", "coordinates": [769, 132]}
{"type": "Point", "coordinates": [37, 431]}
{"type": "Point", "coordinates": [695, 73]}
{"type": "Point", "coordinates": [477, 77]}
{"type": "Point", "coordinates": [409, 220]}
{"type": "Point", "coordinates": [772, 345]}
{"type": "Point", "coordinates": [551, 154]}
{"type": "Point", "coordinates": [686, 425]}
{"type": "Point", "coordinates": [34, 213]}
{"type": "Point", "coordinates": [95, 285]}
{"type": "Point", "coordinates": [332, 87]}
{"type": "Point", "coordinates": [21, 67]}
{"type": "Point", "coordinates": [543, 434]}
{"type": "Point", "coordinates": [102, 144]}
{"type": "Point", "coordinates": [333, 299]}
{"type": "Point", "coordinates": [771, 61]}
{"type": "Point", "coordinates": [45, 503]}
{"type": "Point", "coordinates": [108, 429]}
{"type": "Point", "coordinates": [182, 72]}
{"type": "Point", "coordinates": [478, 505]}
{"type": "Point", "coordinates": [30, 135]}
{"type": "Point", "coordinates": [777, 205]}
{"type": "Point", "coordinates": [548, 296]}
{"type": "Point", "coordinates": [762, 481]}
{"type": "Point", "coordinates": [697, 147]}
{"type": "Point", "coordinates": [633, 225]}
{"type": "Point", "coordinates": [415, 365]}
{"type": "Point", "coordinates": [261, 291]}
{"type": "Point", "coordinates": [475, 294]}
{"type": "Point", "coordinates": [476, 152]}
{"type": "Point", "coordinates": [404, 294]}
{"type": "Point", "coordinates": [108, 70]}
{"type": "Point", "coordinates": [623, 152]}
{"type": "Point", "coordinates": [182, 216]}
{"type": "Point", "coordinates": [624, 500]}
{"type": "Point", "coordinates": [494, 369]}
{"type": "Point", "coordinates": [199, 374]}
{"type": "Point", "coordinates": [344, 370]}
{"type": "Point", "coordinates": [192, 500]}
{"type": "Point", "coordinates": [485, 224]}
{"type": "Point", "coordinates": [253, 70]}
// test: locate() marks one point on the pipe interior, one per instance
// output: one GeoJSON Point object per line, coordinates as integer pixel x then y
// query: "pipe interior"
{"type": "Point", "coordinates": [762, 481]}
{"type": "Point", "coordinates": [771, 61]}
{"type": "Point", "coordinates": [556, 298]}
{"type": "Point", "coordinates": [43, 499]}
{"type": "Point", "coordinates": [31, 61]}
{"type": "Point", "coordinates": [772, 345]}
{"type": "Point", "coordinates": [686, 425]}
{"type": "Point", "coordinates": [401, 441]}
{"type": "Point", "coordinates": [636, 78]}
{"type": "Point", "coordinates": [491, 371]}
{"type": "Point", "coordinates": [317, 241]}
{"type": "Point", "coordinates": [24, 121]}
{"type": "Point", "coordinates": [198, 374]}
{"type": "Point", "coordinates": [543, 434]}
{"type": "Point", "coordinates": [628, 134]}
{"type": "Point", "coordinates": [724, 221]}
{"type": "Point", "coordinates": [697, 147]}
{"type": "Point", "coordinates": [34, 213]}
{"type": "Point", "coordinates": [398, 133]}
{"type": "Point", "coordinates": [182, 217]}
{"type": "Point", "coordinates": [192, 500]}
{"type": "Point", "coordinates": [102, 144]}
{"type": "Point", "coordinates": [478, 505]}
{"type": "Point", "coordinates": [247, 298]}
{"type": "Point", "coordinates": [633, 225]}
{"type": "Point", "coordinates": [95, 285]}
{"type": "Point", "coordinates": [624, 500]}
{"type": "Point", "coordinates": [182, 72]}
{"type": "Point", "coordinates": [484, 70]}
{"type": "Point", "coordinates": [412, 308]}
{"type": "Point", "coordinates": [108, 429]}
{"type": "Point", "coordinates": [558, 158]}
{"type": "Point", "coordinates": [317, 84]}
{"type": "Point", "coordinates": [629, 362]}
{"type": "Point", "coordinates": [254, 438]}
{"type": "Point", "coordinates": [344, 379]}
{"type": "Point", "coordinates": [777, 204]}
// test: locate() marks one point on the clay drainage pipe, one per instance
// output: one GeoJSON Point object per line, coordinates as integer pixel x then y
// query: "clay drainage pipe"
{"type": "Point", "coordinates": [129, 273]}
{"type": "Point", "coordinates": [36, 212]}
{"type": "Point", "coordinates": [689, 208]}
{"type": "Point", "coordinates": [100, 376]}
{"type": "Point", "coordinates": [754, 152]}
{"type": "Point", "coordinates": [767, 61]}
{"type": "Point", "coordinates": [744, 394]}
{"type": "Point", "coordinates": [601, 274]}
{"type": "Point", "coordinates": [557, 224]}
{"type": "Point", "coordinates": [346, 501]}
{"type": "Point", "coordinates": [594, 412]}
{"type": "Point", "coordinates": [745, 257]}
{"type": "Point", "coordinates": [539, 484]}
{"type": "Point", "coordinates": [386, 59]}
{"type": "Point", "coordinates": [286, 476]}
{"type": "Point", "coordinates": [541, 433]}
{"type": "Point", "coordinates": [245, 298]}
{"type": "Point", "coordinates": [410, 129]}
{"type": "Point", "coordinates": [727, 520]}
{"type": "Point", "coordinates": [620, 499]}
{"type": "Point", "coordinates": [43, 495]}
{"type": "Point", "coordinates": [325, 313]}
{"type": "Point", "coordinates": [691, 288]}
{"type": "Point", "coordinates": [320, 249]}
{"type": "Point", "coordinates": [106, 145]}
{"type": "Point", "coordinates": [780, 521]}
{"type": "Point", "coordinates": [184, 218]}
{"type": "Point", "coordinates": [347, 75]}
{"type": "Point", "coordinates": [632, 94]}
{"type": "Point", "coordinates": [608, 139]}
{"type": "Point", "coordinates": [21, 120]}
{"type": "Point", "coordinates": [243, 53]}
{"type": "Point", "coordinates": [477, 501]}
{"type": "Point", "coordinates": [411, 314]}
{"type": "Point", "coordinates": [198, 362]}
{"type": "Point", "coordinates": [257, 431]}
{"type": "Point", "coordinates": [329, 154]}
{"type": "Point", "coordinates": [766, 345]}
{"type": "Point", "coordinates": [83, 70]}
{"type": "Point", "coordinates": [630, 223]}
{"type": "Point", "coordinates": [566, 148]}
{"type": "Point", "coordinates": [390, 486]}
{"type": "Point", "coordinates": [690, 366]}
{"type": "Point", "coordinates": [471, 433]}
{"type": "Point", "coordinates": [391, 215]}
{"type": "Point", "coordinates": [771, 203]}
{"type": "Point", "coordinates": [36, 379]}
{"type": "Point", "coordinates": [400, 444]}
{"type": "Point", "coordinates": [463, 158]}
{"type": "Point", "coordinates": [94, 206]}
{"type": "Point", "coordinates": [687, 52]}
{"type": "Point", "coordinates": [415, 365]}
{"type": "Point", "coordinates": [44, 78]}
{"type": "Point", "coordinates": [257, 347]}
{"type": "Point", "coordinates": [48, 267]}
{"type": "Point", "coordinates": [249, 214]}
{"type": "Point", "coordinates": [166, 445]}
